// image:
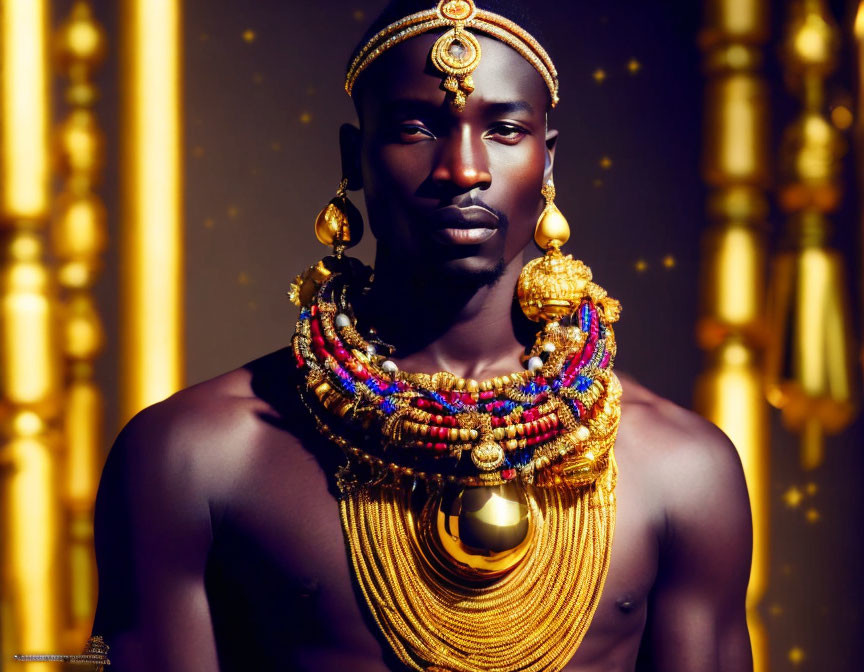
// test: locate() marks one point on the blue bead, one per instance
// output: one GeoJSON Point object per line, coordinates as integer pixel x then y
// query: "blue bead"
{"type": "Point", "coordinates": [583, 383]}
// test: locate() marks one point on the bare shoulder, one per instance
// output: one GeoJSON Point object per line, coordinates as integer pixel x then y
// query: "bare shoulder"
{"type": "Point", "coordinates": [693, 466]}
{"type": "Point", "coordinates": [200, 439]}
{"type": "Point", "coordinates": [668, 434]}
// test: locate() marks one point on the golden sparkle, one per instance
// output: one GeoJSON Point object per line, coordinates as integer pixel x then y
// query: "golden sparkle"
{"type": "Point", "coordinates": [641, 266]}
{"type": "Point", "coordinates": [811, 488]}
{"type": "Point", "coordinates": [633, 66]}
{"type": "Point", "coordinates": [305, 118]}
{"type": "Point", "coordinates": [841, 117]}
{"type": "Point", "coordinates": [793, 497]}
{"type": "Point", "coordinates": [243, 279]}
{"type": "Point", "coordinates": [775, 610]}
{"type": "Point", "coordinates": [669, 262]}
{"type": "Point", "coordinates": [599, 75]}
{"type": "Point", "coordinates": [233, 211]}
{"type": "Point", "coordinates": [249, 36]}
{"type": "Point", "coordinates": [812, 515]}
{"type": "Point", "coordinates": [606, 163]}
{"type": "Point", "coordinates": [796, 655]}
{"type": "Point", "coordinates": [209, 223]}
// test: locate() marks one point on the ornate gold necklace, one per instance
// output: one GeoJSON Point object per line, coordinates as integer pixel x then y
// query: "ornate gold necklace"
{"type": "Point", "coordinates": [478, 515]}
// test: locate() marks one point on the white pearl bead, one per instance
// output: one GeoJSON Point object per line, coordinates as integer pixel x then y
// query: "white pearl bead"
{"type": "Point", "coordinates": [371, 350]}
{"type": "Point", "coordinates": [548, 347]}
{"type": "Point", "coordinates": [388, 366]}
{"type": "Point", "coordinates": [535, 364]}
{"type": "Point", "coordinates": [342, 321]}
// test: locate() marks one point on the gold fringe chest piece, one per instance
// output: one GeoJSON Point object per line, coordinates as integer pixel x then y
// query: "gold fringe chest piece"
{"type": "Point", "coordinates": [478, 516]}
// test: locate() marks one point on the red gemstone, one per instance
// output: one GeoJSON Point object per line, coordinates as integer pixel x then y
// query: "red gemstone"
{"type": "Point", "coordinates": [508, 474]}
{"type": "Point", "coordinates": [440, 447]}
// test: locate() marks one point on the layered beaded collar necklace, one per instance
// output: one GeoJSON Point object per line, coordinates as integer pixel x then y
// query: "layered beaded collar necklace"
{"type": "Point", "coordinates": [478, 515]}
{"type": "Point", "coordinates": [548, 422]}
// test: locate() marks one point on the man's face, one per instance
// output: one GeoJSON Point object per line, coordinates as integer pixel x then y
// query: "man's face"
{"type": "Point", "coordinates": [456, 193]}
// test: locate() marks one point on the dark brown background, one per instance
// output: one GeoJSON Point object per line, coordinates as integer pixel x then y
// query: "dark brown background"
{"type": "Point", "coordinates": [262, 157]}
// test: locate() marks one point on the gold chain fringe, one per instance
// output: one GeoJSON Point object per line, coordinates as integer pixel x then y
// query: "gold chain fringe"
{"type": "Point", "coordinates": [532, 620]}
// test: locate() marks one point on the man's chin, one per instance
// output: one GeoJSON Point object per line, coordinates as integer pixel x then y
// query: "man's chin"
{"type": "Point", "coordinates": [471, 271]}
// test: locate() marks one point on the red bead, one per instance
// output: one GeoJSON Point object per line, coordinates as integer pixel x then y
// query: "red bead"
{"type": "Point", "coordinates": [508, 474]}
{"type": "Point", "coordinates": [440, 447]}
{"type": "Point", "coordinates": [313, 311]}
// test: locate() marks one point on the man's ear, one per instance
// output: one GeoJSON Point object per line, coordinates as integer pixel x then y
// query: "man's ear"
{"type": "Point", "coordinates": [349, 146]}
{"type": "Point", "coordinates": [551, 143]}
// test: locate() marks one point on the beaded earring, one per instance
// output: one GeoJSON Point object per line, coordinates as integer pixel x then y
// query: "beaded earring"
{"type": "Point", "coordinates": [339, 224]}
{"type": "Point", "coordinates": [551, 287]}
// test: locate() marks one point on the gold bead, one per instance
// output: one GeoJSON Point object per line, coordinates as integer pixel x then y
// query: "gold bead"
{"type": "Point", "coordinates": [332, 225]}
{"type": "Point", "coordinates": [552, 228]}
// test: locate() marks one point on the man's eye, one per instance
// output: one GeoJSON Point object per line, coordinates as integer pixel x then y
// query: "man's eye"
{"type": "Point", "coordinates": [415, 132]}
{"type": "Point", "coordinates": [507, 132]}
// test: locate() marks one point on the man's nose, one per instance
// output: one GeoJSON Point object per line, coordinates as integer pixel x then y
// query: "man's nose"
{"type": "Point", "coordinates": [462, 162]}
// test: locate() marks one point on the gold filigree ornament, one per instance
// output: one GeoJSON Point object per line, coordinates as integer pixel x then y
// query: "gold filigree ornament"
{"type": "Point", "coordinates": [551, 287]}
{"type": "Point", "coordinates": [457, 52]}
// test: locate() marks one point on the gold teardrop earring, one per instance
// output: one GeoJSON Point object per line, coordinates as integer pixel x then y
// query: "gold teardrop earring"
{"type": "Point", "coordinates": [551, 287]}
{"type": "Point", "coordinates": [339, 224]}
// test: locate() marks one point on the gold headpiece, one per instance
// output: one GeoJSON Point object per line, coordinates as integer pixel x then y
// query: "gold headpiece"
{"type": "Point", "coordinates": [456, 54]}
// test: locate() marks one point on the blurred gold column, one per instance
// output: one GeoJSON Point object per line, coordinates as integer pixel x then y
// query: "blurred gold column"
{"type": "Point", "coordinates": [735, 167]}
{"type": "Point", "coordinates": [810, 364]}
{"type": "Point", "coordinates": [859, 147]}
{"type": "Point", "coordinates": [30, 600]}
{"type": "Point", "coordinates": [79, 239]}
{"type": "Point", "coordinates": [151, 245]}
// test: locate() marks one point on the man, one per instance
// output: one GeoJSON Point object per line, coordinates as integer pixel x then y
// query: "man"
{"type": "Point", "coordinates": [218, 538]}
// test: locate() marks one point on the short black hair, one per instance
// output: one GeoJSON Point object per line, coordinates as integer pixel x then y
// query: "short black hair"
{"type": "Point", "coordinates": [515, 10]}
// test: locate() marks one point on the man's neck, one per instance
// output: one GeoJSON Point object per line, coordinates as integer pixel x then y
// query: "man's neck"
{"type": "Point", "coordinates": [472, 332]}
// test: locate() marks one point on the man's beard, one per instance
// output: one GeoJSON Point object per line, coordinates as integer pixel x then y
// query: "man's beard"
{"type": "Point", "coordinates": [462, 279]}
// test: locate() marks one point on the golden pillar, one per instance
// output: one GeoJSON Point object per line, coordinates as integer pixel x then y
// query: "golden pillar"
{"type": "Point", "coordinates": [30, 600]}
{"type": "Point", "coordinates": [810, 364]}
{"type": "Point", "coordinates": [859, 141]}
{"type": "Point", "coordinates": [79, 239]}
{"type": "Point", "coordinates": [735, 167]}
{"type": "Point", "coordinates": [151, 245]}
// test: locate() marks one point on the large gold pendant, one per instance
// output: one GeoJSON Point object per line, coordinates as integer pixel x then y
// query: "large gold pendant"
{"type": "Point", "coordinates": [477, 533]}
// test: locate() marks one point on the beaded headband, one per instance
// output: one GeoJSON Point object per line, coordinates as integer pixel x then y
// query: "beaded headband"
{"type": "Point", "coordinates": [456, 54]}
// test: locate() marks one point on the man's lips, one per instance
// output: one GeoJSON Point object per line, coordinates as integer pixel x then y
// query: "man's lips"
{"type": "Point", "coordinates": [471, 225]}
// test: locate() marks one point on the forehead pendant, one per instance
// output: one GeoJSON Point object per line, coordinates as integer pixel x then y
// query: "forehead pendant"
{"type": "Point", "coordinates": [456, 54]}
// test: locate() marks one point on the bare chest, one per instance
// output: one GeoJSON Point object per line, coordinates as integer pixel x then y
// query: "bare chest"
{"type": "Point", "coordinates": [281, 590]}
